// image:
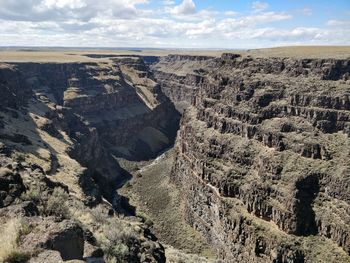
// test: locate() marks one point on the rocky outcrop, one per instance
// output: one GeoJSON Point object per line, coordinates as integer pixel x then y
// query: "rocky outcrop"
{"type": "Point", "coordinates": [65, 237]}
{"type": "Point", "coordinates": [14, 91]}
{"type": "Point", "coordinates": [11, 186]}
{"type": "Point", "coordinates": [261, 152]}
{"type": "Point", "coordinates": [47, 256]}
{"type": "Point", "coordinates": [26, 208]}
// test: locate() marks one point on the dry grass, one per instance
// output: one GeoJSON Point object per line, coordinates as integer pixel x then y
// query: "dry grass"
{"type": "Point", "coordinates": [303, 52]}
{"type": "Point", "coordinates": [176, 256]}
{"type": "Point", "coordinates": [71, 55]}
{"type": "Point", "coordinates": [43, 56]}
{"type": "Point", "coordinates": [322, 250]}
{"type": "Point", "coordinates": [9, 238]}
{"type": "Point", "coordinates": [67, 56]}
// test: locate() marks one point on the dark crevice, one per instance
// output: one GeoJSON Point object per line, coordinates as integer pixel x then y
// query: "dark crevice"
{"type": "Point", "coordinates": [307, 190]}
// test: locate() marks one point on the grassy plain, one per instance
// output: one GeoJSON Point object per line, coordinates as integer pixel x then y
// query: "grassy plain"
{"type": "Point", "coordinates": [62, 55]}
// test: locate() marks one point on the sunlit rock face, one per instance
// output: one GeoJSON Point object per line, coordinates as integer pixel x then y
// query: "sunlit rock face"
{"type": "Point", "coordinates": [263, 154]}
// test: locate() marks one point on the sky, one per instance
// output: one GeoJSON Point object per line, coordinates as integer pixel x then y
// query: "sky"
{"type": "Point", "coordinates": [204, 24]}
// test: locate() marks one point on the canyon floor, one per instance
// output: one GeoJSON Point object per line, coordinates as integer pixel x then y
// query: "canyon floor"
{"type": "Point", "coordinates": [153, 195]}
{"type": "Point", "coordinates": [175, 155]}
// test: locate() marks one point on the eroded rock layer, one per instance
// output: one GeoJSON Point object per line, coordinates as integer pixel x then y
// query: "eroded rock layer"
{"type": "Point", "coordinates": [263, 154]}
{"type": "Point", "coordinates": [63, 127]}
{"type": "Point", "coordinates": [108, 109]}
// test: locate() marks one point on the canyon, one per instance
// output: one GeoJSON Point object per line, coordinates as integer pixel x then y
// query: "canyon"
{"type": "Point", "coordinates": [253, 158]}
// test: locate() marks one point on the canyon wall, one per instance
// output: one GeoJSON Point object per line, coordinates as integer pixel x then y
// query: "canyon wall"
{"type": "Point", "coordinates": [263, 154]}
{"type": "Point", "coordinates": [63, 127]}
{"type": "Point", "coordinates": [109, 110]}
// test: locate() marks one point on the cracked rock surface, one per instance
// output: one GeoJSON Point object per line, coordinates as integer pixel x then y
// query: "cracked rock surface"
{"type": "Point", "coordinates": [263, 154]}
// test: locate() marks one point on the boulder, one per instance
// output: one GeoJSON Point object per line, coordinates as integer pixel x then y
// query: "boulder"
{"type": "Point", "coordinates": [47, 256]}
{"type": "Point", "coordinates": [66, 237]}
{"type": "Point", "coordinates": [91, 251]}
{"type": "Point", "coordinates": [11, 186]}
{"type": "Point", "coordinates": [26, 208]}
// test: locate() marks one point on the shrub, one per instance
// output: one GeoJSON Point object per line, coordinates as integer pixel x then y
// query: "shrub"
{"type": "Point", "coordinates": [25, 228]}
{"type": "Point", "coordinates": [148, 222]}
{"type": "Point", "coordinates": [99, 215]}
{"type": "Point", "coordinates": [56, 204]}
{"type": "Point", "coordinates": [117, 232]}
{"type": "Point", "coordinates": [116, 252]}
{"type": "Point", "coordinates": [33, 194]}
{"type": "Point", "coordinates": [145, 218]}
{"type": "Point", "coordinates": [118, 238]}
{"type": "Point", "coordinates": [128, 184]}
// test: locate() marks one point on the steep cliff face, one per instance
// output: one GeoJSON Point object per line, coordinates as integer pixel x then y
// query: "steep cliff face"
{"type": "Point", "coordinates": [63, 126]}
{"type": "Point", "coordinates": [112, 109]}
{"type": "Point", "coordinates": [263, 154]}
{"type": "Point", "coordinates": [178, 76]}
{"type": "Point", "coordinates": [14, 92]}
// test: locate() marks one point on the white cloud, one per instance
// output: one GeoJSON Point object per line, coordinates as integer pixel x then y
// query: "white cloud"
{"type": "Point", "coordinates": [168, 2]}
{"type": "Point", "coordinates": [231, 13]}
{"type": "Point", "coordinates": [187, 7]}
{"type": "Point", "coordinates": [43, 10]}
{"type": "Point", "coordinates": [59, 4]}
{"type": "Point", "coordinates": [338, 23]}
{"type": "Point", "coordinates": [259, 6]}
{"type": "Point", "coordinates": [114, 23]}
{"type": "Point", "coordinates": [306, 11]}
{"type": "Point", "coordinates": [197, 16]}
{"type": "Point", "coordinates": [266, 18]}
